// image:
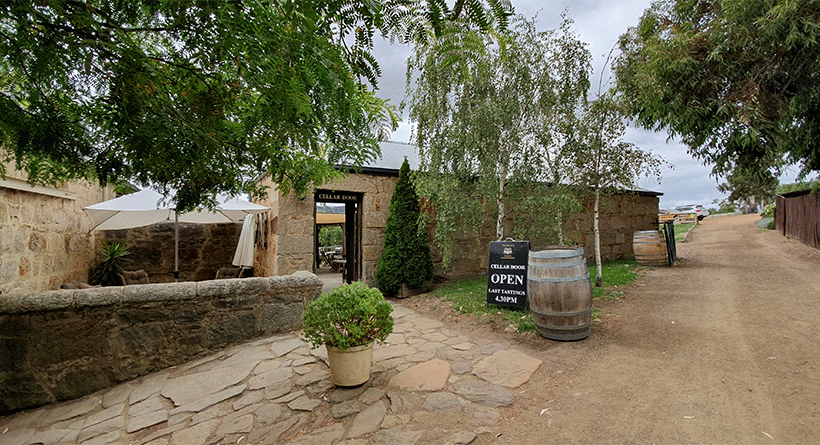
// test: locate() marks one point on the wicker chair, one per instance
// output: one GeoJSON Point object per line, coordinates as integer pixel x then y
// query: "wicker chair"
{"type": "Point", "coordinates": [133, 277]}
{"type": "Point", "coordinates": [233, 272]}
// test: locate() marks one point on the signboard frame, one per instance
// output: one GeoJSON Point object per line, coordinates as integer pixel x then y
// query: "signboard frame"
{"type": "Point", "coordinates": [507, 273]}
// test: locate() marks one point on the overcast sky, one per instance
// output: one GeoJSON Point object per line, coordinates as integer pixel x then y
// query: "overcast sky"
{"type": "Point", "coordinates": [599, 23]}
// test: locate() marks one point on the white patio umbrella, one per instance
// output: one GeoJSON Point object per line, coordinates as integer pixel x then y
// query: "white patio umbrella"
{"type": "Point", "coordinates": [147, 207]}
{"type": "Point", "coordinates": [245, 248]}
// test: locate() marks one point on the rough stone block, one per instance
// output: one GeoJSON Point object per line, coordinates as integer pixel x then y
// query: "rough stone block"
{"type": "Point", "coordinates": [252, 286]}
{"type": "Point", "coordinates": [140, 340]}
{"type": "Point", "coordinates": [22, 391]}
{"type": "Point", "coordinates": [157, 312]}
{"type": "Point", "coordinates": [100, 296]}
{"type": "Point", "coordinates": [294, 244]}
{"type": "Point", "coordinates": [46, 301]}
{"type": "Point", "coordinates": [78, 379]}
{"type": "Point", "coordinates": [138, 293]}
{"type": "Point", "coordinates": [237, 301]}
{"type": "Point", "coordinates": [277, 317]}
{"type": "Point", "coordinates": [237, 327]}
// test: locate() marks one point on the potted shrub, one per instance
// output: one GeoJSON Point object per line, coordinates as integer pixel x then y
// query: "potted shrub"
{"type": "Point", "coordinates": [347, 320]}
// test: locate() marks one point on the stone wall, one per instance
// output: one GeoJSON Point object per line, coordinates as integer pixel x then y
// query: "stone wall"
{"type": "Point", "coordinates": [63, 344]}
{"type": "Point", "coordinates": [620, 217]}
{"type": "Point", "coordinates": [45, 237]}
{"type": "Point", "coordinates": [203, 249]}
{"type": "Point", "coordinates": [290, 234]}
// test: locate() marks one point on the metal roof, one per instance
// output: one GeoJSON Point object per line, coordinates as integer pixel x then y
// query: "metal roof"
{"type": "Point", "coordinates": [393, 154]}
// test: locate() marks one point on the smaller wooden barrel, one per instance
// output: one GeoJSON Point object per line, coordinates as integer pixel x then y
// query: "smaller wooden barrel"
{"type": "Point", "coordinates": [560, 293]}
{"type": "Point", "coordinates": [649, 247]}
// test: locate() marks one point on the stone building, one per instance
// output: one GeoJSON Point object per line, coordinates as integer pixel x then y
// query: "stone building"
{"type": "Point", "coordinates": [45, 237]}
{"type": "Point", "coordinates": [44, 233]}
{"type": "Point", "coordinates": [288, 239]}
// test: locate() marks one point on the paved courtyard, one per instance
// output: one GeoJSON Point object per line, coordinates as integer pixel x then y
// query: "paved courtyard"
{"type": "Point", "coordinates": [277, 390]}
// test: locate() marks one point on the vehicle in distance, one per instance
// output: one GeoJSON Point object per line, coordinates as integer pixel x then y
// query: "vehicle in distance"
{"type": "Point", "coordinates": [698, 210]}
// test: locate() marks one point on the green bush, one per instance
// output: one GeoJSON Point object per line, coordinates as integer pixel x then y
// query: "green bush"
{"type": "Point", "coordinates": [768, 211]}
{"type": "Point", "coordinates": [114, 257]}
{"type": "Point", "coordinates": [406, 256]}
{"type": "Point", "coordinates": [347, 316]}
{"type": "Point", "coordinates": [330, 236]}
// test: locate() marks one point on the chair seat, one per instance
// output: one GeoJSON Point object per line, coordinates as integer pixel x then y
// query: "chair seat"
{"type": "Point", "coordinates": [133, 277]}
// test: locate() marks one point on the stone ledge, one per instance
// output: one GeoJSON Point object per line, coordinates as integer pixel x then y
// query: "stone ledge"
{"type": "Point", "coordinates": [65, 299]}
{"type": "Point", "coordinates": [67, 343]}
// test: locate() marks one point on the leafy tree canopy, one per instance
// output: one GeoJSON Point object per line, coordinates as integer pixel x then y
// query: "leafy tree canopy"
{"type": "Point", "coordinates": [736, 80]}
{"type": "Point", "coordinates": [743, 185]}
{"type": "Point", "coordinates": [492, 112]}
{"type": "Point", "coordinates": [200, 97]}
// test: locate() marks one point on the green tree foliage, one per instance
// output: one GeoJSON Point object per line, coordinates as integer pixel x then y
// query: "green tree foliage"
{"type": "Point", "coordinates": [811, 185]}
{"type": "Point", "coordinates": [490, 120]}
{"type": "Point", "coordinates": [604, 162]}
{"type": "Point", "coordinates": [406, 256]}
{"type": "Point", "coordinates": [743, 185]}
{"type": "Point", "coordinates": [199, 97]}
{"type": "Point", "coordinates": [331, 236]}
{"type": "Point", "coordinates": [735, 80]}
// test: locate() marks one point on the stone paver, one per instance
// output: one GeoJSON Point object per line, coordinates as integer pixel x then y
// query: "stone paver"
{"type": "Point", "coordinates": [427, 376]}
{"type": "Point", "coordinates": [508, 368]}
{"type": "Point", "coordinates": [278, 390]}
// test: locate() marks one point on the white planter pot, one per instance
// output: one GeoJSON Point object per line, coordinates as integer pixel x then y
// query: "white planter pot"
{"type": "Point", "coordinates": [351, 366]}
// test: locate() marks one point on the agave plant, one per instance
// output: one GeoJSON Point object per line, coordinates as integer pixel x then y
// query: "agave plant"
{"type": "Point", "coordinates": [114, 257]}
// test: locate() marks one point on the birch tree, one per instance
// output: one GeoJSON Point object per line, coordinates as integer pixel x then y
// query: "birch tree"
{"type": "Point", "coordinates": [605, 162]}
{"type": "Point", "coordinates": [482, 123]}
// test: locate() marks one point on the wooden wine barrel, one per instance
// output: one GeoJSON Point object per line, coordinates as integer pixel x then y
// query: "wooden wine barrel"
{"type": "Point", "coordinates": [649, 247]}
{"type": "Point", "coordinates": [560, 293]}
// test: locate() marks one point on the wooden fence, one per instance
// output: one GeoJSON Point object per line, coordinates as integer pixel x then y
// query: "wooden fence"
{"type": "Point", "coordinates": [796, 216]}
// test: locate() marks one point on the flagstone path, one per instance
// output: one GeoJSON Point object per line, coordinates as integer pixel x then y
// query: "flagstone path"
{"type": "Point", "coordinates": [277, 390]}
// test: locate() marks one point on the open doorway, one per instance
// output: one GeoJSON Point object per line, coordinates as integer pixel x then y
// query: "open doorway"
{"type": "Point", "coordinates": [337, 242]}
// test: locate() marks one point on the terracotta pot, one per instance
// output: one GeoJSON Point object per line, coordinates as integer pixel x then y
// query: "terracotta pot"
{"type": "Point", "coordinates": [351, 366]}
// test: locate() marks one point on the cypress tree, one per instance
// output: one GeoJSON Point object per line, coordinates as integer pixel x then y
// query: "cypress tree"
{"type": "Point", "coordinates": [406, 256]}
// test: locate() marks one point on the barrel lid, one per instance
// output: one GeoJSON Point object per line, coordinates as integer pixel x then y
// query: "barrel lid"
{"type": "Point", "coordinates": [557, 252]}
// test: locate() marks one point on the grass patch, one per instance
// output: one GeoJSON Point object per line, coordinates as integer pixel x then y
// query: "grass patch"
{"type": "Point", "coordinates": [470, 296]}
{"type": "Point", "coordinates": [615, 276]}
{"type": "Point", "coordinates": [681, 230]}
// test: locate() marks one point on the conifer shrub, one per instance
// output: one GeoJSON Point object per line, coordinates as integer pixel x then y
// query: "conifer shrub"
{"type": "Point", "coordinates": [406, 256]}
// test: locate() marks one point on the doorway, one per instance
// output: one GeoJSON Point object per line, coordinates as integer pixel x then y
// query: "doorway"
{"type": "Point", "coordinates": [337, 241]}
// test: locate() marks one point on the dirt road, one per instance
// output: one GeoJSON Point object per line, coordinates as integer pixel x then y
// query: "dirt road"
{"type": "Point", "coordinates": [722, 348]}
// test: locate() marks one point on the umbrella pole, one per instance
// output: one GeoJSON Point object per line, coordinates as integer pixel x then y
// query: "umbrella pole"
{"type": "Point", "coordinates": [176, 246]}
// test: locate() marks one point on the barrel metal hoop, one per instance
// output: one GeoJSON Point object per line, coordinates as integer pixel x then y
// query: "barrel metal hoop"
{"type": "Point", "coordinates": [569, 328]}
{"type": "Point", "coordinates": [580, 262]}
{"type": "Point", "coordinates": [562, 314]}
{"type": "Point", "coordinates": [557, 253]}
{"type": "Point", "coordinates": [559, 280]}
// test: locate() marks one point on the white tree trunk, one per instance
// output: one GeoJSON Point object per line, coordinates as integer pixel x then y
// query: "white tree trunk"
{"type": "Point", "coordinates": [598, 265]}
{"type": "Point", "coordinates": [560, 228]}
{"type": "Point", "coordinates": [499, 224]}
